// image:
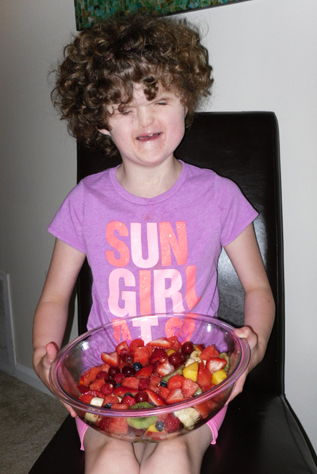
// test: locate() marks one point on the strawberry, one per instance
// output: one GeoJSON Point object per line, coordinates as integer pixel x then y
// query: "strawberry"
{"type": "Point", "coordinates": [155, 398]}
{"type": "Point", "coordinates": [203, 377]}
{"type": "Point", "coordinates": [112, 359]}
{"type": "Point", "coordinates": [206, 407]}
{"type": "Point", "coordinates": [209, 352]}
{"type": "Point", "coordinates": [162, 343]}
{"type": "Point", "coordinates": [85, 398]}
{"type": "Point", "coordinates": [175, 396]}
{"type": "Point", "coordinates": [143, 383]}
{"type": "Point", "coordinates": [122, 348]}
{"type": "Point", "coordinates": [155, 380]}
{"type": "Point", "coordinates": [189, 388]}
{"type": "Point", "coordinates": [176, 381]}
{"type": "Point", "coordinates": [158, 355]}
{"type": "Point", "coordinates": [130, 382]}
{"type": "Point", "coordinates": [164, 391]}
{"type": "Point", "coordinates": [171, 422]}
{"type": "Point", "coordinates": [176, 345]}
{"type": "Point", "coordinates": [142, 355]}
{"type": "Point", "coordinates": [165, 368]}
{"type": "Point", "coordinates": [215, 363]}
{"type": "Point", "coordinates": [145, 372]}
{"type": "Point", "coordinates": [105, 367]}
{"type": "Point", "coordinates": [135, 344]}
{"type": "Point", "coordinates": [102, 375]}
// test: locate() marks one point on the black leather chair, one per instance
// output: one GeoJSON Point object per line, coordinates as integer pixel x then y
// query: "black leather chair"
{"type": "Point", "coordinates": [260, 434]}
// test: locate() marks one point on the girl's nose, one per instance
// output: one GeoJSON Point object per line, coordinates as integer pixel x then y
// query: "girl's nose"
{"type": "Point", "coordinates": [145, 116]}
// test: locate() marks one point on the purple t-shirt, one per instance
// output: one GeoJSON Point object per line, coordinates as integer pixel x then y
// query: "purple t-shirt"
{"type": "Point", "coordinates": [153, 255]}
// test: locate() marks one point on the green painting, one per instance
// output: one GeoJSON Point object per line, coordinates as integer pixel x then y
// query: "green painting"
{"type": "Point", "coordinates": [89, 12]}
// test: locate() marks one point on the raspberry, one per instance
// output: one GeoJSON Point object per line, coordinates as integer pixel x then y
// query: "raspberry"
{"type": "Point", "coordinates": [144, 383]}
{"type": "Point", "coordinates": [104, 423]}
{"type": "Point", "coordinates": [171, 422]}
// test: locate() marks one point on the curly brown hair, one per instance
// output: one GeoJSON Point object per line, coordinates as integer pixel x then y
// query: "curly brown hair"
{"type": "Point", "coordinates": [101, 65]}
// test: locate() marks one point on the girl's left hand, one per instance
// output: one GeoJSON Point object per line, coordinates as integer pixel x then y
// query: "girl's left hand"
{"type": "Point", "coordinates": [257, 354]}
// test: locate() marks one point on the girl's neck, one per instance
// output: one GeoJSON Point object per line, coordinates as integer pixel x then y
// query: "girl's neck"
{"type": "Point", "coordinates": [149, 182]}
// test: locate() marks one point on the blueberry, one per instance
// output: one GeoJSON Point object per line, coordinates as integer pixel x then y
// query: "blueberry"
{"type": "Point", "coordinates": [128, 393]}
{"type": "Point", "coordinates": [137, 366]}
{"type": "Point", "coordinates": [163, 383]}
{"type": "Point", "coordinates": [108, 405]}
{"type": "Point", "coordinates": [159, 425]}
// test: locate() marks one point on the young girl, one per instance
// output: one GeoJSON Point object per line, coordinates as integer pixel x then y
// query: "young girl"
{"type": "Point", "coordinates": [131, 85]}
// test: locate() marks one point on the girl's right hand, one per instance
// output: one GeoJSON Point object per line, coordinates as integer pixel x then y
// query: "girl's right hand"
{"type": "Point", "coordinates": [44, 365]}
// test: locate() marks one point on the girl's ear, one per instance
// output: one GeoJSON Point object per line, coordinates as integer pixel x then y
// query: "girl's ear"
{"type": "Point", "coordinates": [104, 131]}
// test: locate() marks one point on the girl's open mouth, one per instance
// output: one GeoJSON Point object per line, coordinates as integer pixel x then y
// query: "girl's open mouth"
{"type": "Point", "coordinates": [148, 137]}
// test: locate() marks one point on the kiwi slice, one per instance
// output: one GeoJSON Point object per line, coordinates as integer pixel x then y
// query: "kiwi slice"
{"type": "Point", "coordinates": [141, 422]}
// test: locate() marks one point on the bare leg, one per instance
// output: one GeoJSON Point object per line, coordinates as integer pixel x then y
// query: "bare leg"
{"type": "Point", "coordinates": [105, 455]}
{"type": "Point", "coordinates": [182, 455]}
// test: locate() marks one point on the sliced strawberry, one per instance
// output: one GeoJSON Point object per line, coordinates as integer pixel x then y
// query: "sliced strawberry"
{"type": "Point", "coordinates": [144, 383]}
{"type": "Point", "coordinates": [206, 407]}
{"type": "Point", "coordinates": [175, 396]}
{"type": "Point", "coordinates": [215, 363]}
{"type": "Point", "coordinates": [145, 372]}
{"type": "Point", "coordinates": [96, 384]}
{"type": "Point", "coordinates": [142, 355]}
{"type": "Point", "coordinates": [189, 388]}
{"type": "Point", "coordinates": [135, 344]}
{"type": "Point", "coordinates": [158, 355]}
{"type": "Point", "coordinates": [89, 376]}
{"type": "Point", "coordinates": [166, 368]}
{"type": "Point", "coordinates": [155, 398]}
{"type": "Point", "coordinates": [176, 381]}
{"type": "Point", "coordinates": [176, 345]}
{"type": "Point", "coordinates": [203, 377]}
{"type": "Point", "coordinates": [162, 343]}
{"type": "Point", "coordinates": [85, 398]}
{"type": "Point", "coordinates": [122, 348]}
{"type": "Point", "coordinates": [130, 382]}
{"type": "Point", "coordinates": [209, 352]}
{"type": "Point", "coordinates": [102, 375]}
{"type": "Point", "coordinates": [164, 391]}
{"type": "Point", "coordinates": [112, 359]}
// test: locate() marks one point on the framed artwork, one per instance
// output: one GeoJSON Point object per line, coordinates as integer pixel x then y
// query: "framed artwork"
{"type": "Point", "coordinates": [89, 12]}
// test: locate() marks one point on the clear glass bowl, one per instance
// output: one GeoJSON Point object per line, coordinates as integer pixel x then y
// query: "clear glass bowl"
{"type": "Point", "coordinates": [85, 352]}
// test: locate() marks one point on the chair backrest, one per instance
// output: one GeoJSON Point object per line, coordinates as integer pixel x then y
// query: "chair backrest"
{"type": "Point", "coordinates": [245, 148]}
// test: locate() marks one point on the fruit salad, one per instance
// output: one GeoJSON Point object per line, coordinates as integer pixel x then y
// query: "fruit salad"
{"type": "Point", "coordinates": [161, 373]}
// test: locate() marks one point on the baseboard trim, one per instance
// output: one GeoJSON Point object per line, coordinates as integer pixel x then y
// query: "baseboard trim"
{"type": "Point", "coordinates": [27, 375]}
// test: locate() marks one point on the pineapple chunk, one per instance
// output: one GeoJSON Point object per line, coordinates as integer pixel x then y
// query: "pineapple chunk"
{"type": "Point", "coordinates": [188, 416]}
{"type": "Point", "coordinates": [191, 371]}
{"type": "Point", "coordinates": [218, 376]}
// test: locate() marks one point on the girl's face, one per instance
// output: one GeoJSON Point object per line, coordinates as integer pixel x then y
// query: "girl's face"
{"type": "Point", "coordinates": [146, 133]}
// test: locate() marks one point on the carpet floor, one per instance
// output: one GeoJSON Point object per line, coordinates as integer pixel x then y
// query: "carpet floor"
{"type": "Point", "coordinates": [29, 419]}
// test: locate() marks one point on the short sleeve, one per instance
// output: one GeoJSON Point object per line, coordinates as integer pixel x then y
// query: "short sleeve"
{"type": "Point", "coordinates": [236, 211]}
{"type": "Point", "coordinates": [67, 224]}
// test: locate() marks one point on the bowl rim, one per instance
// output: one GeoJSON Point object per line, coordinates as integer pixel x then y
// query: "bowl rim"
{"type": "Point", "coordinates": [59, 392]}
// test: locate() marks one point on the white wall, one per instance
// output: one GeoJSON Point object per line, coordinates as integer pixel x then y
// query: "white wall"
{"type": "Point", "coordinates": [264, 58]}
